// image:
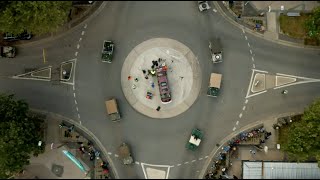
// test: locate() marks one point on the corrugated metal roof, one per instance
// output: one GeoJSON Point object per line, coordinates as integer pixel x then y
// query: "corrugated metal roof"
{"type": "Point", "coordinates": [280, 170]}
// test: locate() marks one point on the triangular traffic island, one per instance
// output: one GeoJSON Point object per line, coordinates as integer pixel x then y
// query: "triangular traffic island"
{"type": "Point", "coordinates": [259, 82]}
{"type": "Point", "coordinates": [152, 171]}
{"type": "Point", "coordinates": [42, 74]}
{"type": "Point", "coordinates": [67, 70]}
{"type": "Point", "coordinates": [282, 80]}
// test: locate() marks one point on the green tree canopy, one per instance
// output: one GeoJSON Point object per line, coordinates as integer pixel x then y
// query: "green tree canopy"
{"type": "Point", "coordinates": [304, 136]}
{"type": "Point", "coordinates": [313, 24]}
{"type": "Point", "coordinates": [38, 17]}
{"type": "Point", "coordinates": [20, 133]}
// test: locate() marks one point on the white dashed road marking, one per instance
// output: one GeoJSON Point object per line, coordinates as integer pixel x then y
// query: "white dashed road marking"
{"type": "Point", "coordinates": [252, 58]}
{"type": "Point", "coordinates": [85, 26]}
{"type": "Point", "coordinates": [243, 31]}
{"type": "Point", "coordinates": [248, 44]}
{"type": "Point", "coordinates": [214, 10]}
{"type": "Point", "coordinates": [254, 66]}
{"type": "Point", "coordinates": [244, 108]}
{"type": "Point", "coordinates": [82, 33]}
{"type": "Point", "coordinates": [178, 164]}
{"type": "Point", "coordinates": [76, 53]}
{"type": "Point", "coordinates": [246, 37]}
{"type": "Point", "coordinates": [234, 128]}
{"type": "Point", "coordinates": [78, 46]}
{"type": "Point", "coordinates": [78, 115]}
{"type": "Point", "coordinates": [74, 95]}
{"type": "Point", "coordinates": [109, 153]}
{"type": "Point", "coordinates": [75, 101]}
{"type": "Point", "coordinates": [240, 115]}
{"type": "Point", "coordinates": [250, 51]}
{"type": "Point", "coordinates": [77, 109]}
{"type": "Point", "coordinates": [193, 161]}
{"type": "Point", "coordinates": [200, 159]}
{"type": "Point", "coordinates": [237, 123]}
{"type": "Point", "coordinates": [137, 162]}
{"type": "Point", "coordinates": [246, 101]}
{"type": "Point", "coordinates": [186, 162]}
{"type": "Point", "coordinates": [80, 39]}
{"type": "Point", "coordinates": [116, 155]}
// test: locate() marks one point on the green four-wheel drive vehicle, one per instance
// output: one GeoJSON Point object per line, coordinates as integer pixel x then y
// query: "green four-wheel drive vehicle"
{"type": "Point", "coordinates": [214, 85]}
{"type": "Point", "coordinates": [195, 139]}
{"type": "Point", "coordinates": [107, 51]}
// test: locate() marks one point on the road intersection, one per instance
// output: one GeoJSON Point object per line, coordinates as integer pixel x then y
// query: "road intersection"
{"type": "Point", "coordinates": [159, 146]}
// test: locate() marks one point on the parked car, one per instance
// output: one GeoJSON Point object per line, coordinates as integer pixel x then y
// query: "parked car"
{"type": "Point", "coordinates": [164, 89]}
{"type": "Point", "coordinates": [203, 5]}
{"type": "Point", "coordinates": [23, 36]}
{"type": "Point", "coordinates": [7, 52]}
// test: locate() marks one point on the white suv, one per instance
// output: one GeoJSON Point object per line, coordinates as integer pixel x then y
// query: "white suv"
{"type": "Point", "coordinates": [203, 5]}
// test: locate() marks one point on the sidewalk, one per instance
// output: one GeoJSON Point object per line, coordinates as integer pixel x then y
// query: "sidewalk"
{"type": "Point", "coordinates": [53, 164]}
{"type": "Point", "coordinates": [271, 34]}
{"type": "Point", "coordinates": [234, 158]}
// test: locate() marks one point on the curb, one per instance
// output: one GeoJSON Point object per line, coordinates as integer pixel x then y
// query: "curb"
{"type": "Point", "coordinates": [69, 30]}
{"type": "Point", "coordinates": [282, 42]}
{"type": "Point", "coordinates": [235, 133]}
{"type": "Point", "coordinates": [84, 129]}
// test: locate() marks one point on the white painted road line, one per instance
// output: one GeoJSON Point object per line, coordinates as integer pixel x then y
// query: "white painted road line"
{"type": "Point", "coordinates": [246, 37]}
{"type": "Point", "coordinates": [193, 161]}
{"type": "Point", "coordinates": [78, 46]}
{"type": "Point", "coordinates": [206, 157]}
{"type": "Point", "coordinates": [250, 51]}
{"type": "Point", "coordinates": [248, 44]}
{"type": "Point", "coordinates": [73, 88]}
{"type": "Point", "coordinates": [116, 155]}
{"type": "Point", "coordinates": [234, 128]}
{"type": "Point", "coordinates": [237, 123]}
{"type": "Point", "coordinates": [253, 66]}
{"type": "Point", "coordinates": [200, 159]}
{"type": "Point", "coordinates": [77, 109]}
{"type": "Point", "coordinates": [78, 115]}
{"type": "Point", "coordinates": [80, 122]}
{"type": "Point", "coordinates": [240, 115]}
{"type": "Point", "coordinates": [243, 31]}
{"type": "Point", "coordinates": [214, 10]}
{"type": "Point", "coordinates": [109, 153]}
{"type": "Point", "coordinates": [80, 39]}
{"type": "Point", "coordinates": [243, 108]}
{"type": "Point", "coordinates": [178, 164]}
{"type": "Point", "coordinates": [82, 33]}
{"type": "Point", "coordinates": [246, 101]}
{"type": "Point", "coordinates": [74, 95]}
{"type": "Point", "coordinates": [85, 26]}
{"type": "Point", "coordinates": [186, 162]}
{"type": "Point", "coordinates": [76, 53]}
{"type": "Point", "coordinates": [252, 58]}
{"type": "Point", "coordinates": [137, 162]}
{"type": "Point", "coordinates": [75, 101]}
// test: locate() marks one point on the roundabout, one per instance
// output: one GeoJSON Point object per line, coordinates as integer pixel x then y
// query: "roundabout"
{"type": "Point", "coordinates": [184, 77]}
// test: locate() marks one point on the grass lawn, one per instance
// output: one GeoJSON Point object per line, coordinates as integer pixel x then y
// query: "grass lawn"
{"type": "Point", "coordinates": [293, 26]}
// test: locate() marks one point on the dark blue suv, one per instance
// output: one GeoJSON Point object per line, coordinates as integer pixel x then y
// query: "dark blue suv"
{"type": "Point", "coordinates": [11, 37]}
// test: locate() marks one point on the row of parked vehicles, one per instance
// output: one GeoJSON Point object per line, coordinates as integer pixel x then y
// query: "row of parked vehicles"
{"type": "Point", "coordinates": [11, 51]}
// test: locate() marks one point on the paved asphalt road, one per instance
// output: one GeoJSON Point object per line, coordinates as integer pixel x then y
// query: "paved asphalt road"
{"type": "Point", "coordinates": [162, 141]}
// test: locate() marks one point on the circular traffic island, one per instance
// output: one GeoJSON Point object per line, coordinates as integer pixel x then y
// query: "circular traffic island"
{"type": "Point", "coordinates": [165, 61]}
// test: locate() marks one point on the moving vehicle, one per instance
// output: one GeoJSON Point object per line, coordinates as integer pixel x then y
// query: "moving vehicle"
{"type": "Point", "coordinates": [11, 37]}
{"type": "Point", "coordinates": [112, 109]}
{"type": "Point", "coordinates": [165, 93]}
{"type": "Point", "coordinates": [203, 5]}
{"type": "Point", "coordinates": [107, 51]}
{"type": "Point", "coordinates": [7, 51]}
{"type": "Point", "coordinates": [216, 50]}
{"type": "Point", "coordinates": [195, 139]}
{"type": "Point", "coordinates": [214, 85]}
{"type": "Point", "coordinates": [125, 154]}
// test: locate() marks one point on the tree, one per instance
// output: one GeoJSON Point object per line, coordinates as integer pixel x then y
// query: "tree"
{"type": "Point", "coordinates": [304, 136]}
{"type": "Point", "coordinates": [38, 17]}
{"type": "Point", "coordinates": [313, 24]}
{"type": "Point", "coordinates": [20, 133]}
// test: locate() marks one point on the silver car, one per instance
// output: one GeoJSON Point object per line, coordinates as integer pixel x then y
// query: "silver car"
{"type": "Point", "coordinates": [203, 5]}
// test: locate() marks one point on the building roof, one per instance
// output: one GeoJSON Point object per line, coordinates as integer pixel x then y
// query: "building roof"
{"type": "Point", "coordinates": [279, 170]}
